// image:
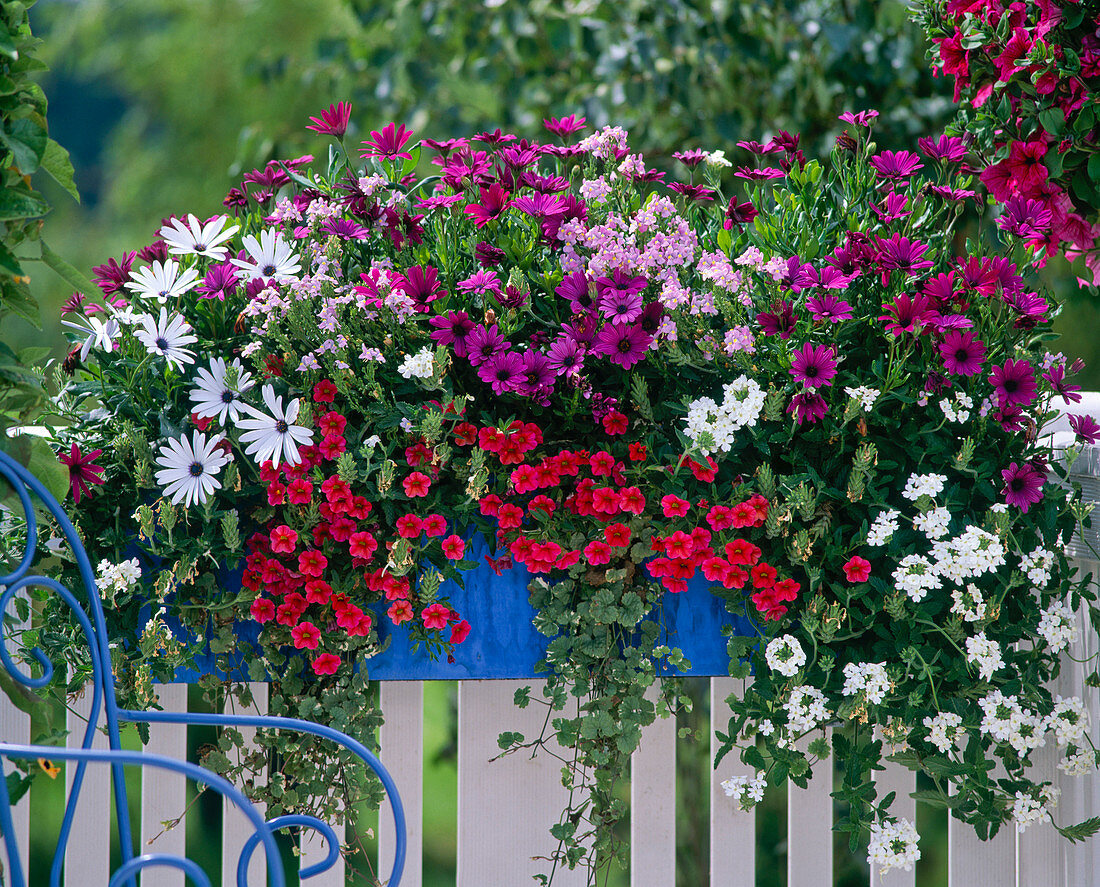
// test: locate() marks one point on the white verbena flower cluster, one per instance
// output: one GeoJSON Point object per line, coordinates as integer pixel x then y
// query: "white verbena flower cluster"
{"type": "Point", "coordinates": [117, 577]}
{"type": "Point", "coordinates": [1069, 721]}
{"type": "Point", "coordinates": [883, 527]}
{"type": "Point", "coordinates": [1080, 763]}
{"type": "Point", "coordinates": [918, 485]}
{"type": "Point", "coordinates": [419, 365]}
{"type": "Point", "coordinates": [866, 396]}
{"type": "Point", "coordinates": [969, 555]}
{"type": "Point", "coordinates": [785, 655]}
{"type": "Point", "coordinates": [1005, 720]}
{"type": "Point", "coordinates": [868, 678]}
{"type": "Point", "coordinates": [1058, 626]}
{"type": "Point", "coordinates": [805, 709]}
{"type": "Point", "coordinates": [893, 845]}
{"type": "Point", "coordinates": [959, 409]}
{"type": "Point", "coordinates": [985, 654]}
{"type": "Point", "coordinates": [915, 576]}
{"type": "Point", "coordinates": [749, 791]}
{"type": "Point", "coordinates": [1029, 809]}
{"type": "Point", "coordinates": [944, 730]}
{"type": "Point", "coordinates": [933, 523]}
{"type": "Point", "coordinates": [1037, 565]}
{"type": "Point", "coordinates": [969, 603]}
{"type": "Point", "coordinates": [743, 399]}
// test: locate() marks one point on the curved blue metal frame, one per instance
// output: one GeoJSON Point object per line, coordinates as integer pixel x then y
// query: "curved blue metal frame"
{"type": "Point", "coordinates": [93, 624]}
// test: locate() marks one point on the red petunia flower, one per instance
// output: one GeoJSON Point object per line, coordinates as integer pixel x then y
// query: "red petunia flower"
{"type": "Point", "coordinates": [312, 563]}
{"type": "Point", "coordinates": [597, 553]}
{"type": "Point", "coordinates": [637, 452]}
{"type": "Point", "coordinates": [263, 610]}
{"type": "Point", "coordinates": [460, 631]}
{"type": "Point", "coordinates": [306, 636]}
{"type": "Point", "coordinates": [615, 423]}
{"type": "Point", "coordinates": [283, 540]}
{"type": "Point", "coordinates": [436, 616]}
{"type": "Point", "coordinates": [674, 506]}
{"type": "Point", "coordinates": [324, 391]}
{"type": "Point", "coordinates": [617, 535]}
{"type": "Point", "coordinates": [763, 576]}
{"type": "Point", "coordinates": [416, 484]}
{"type": "Point", "coordinates": [400, 611]}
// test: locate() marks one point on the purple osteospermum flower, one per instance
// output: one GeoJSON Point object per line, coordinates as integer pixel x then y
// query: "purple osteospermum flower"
{"type": "Point", "coordinates": [621, 306]}
{"type": "Point", "coordinates": [828, 278]}
{"type": "Point", "coordinates": [537, 376]}
{"type": "Point", "coordinates": [651, 317]}
{"type": "Point", "coordinates": [487, 255]}
{"type": "Point", "coordinates": [481, 281]}
{"type": "Point", "coordinates": [895, 165]}
{"type": "Point", "coordinates": [345, 229]}
{"type": "Point", "coordinates": [483, 343]}
{"type": "Point", "coordinates": [582, 331]}
{"type": "Point", "coordinates": [808, 407]}
{"type": "Point", "coordinates": [1031, 308]}
{"type": "Point", "coordinates": [566, 356]}
{"type": "Point", "coordinates": [692, 192]}
{"type": "Point", "coordinates": [1056, 375]}
{"type": "Point", "coordinates": [949, 148]}
{"type": "Point", "coordinates": [738, 214]}
{"type": "Point", "coordinates": [623, 344]}
{"type": "Point", "coordinates": [494, 201]}
{"type": "Point", "coordinates": [691, 158]}
{"type": "Point", "coordinates": [1014, 383]}
{"type": "Point", "coordinates": [540, 206]}
{"type": "Point", "coordinates": [962, 353]}
{"type": "Point", "coordinates": [1023, 485]}
{"type": "Point", "coordinates": [576, 288]}
{"type": "Point", "coordinates": [221, 280]}
{"type": "Point", "coordinates": [759, 175]}
{"type": "Point", "coordinates": [446, 146]}
{"type": "Point", "coordinates": [497, 137]}
{"type": "Point", "coordinates": [859, 118]}
{"type": "Point", "coordinates": [797, 275]}
{"type": "Point", "coordinates": [502, 371]}
{"type": "Point", "coordinates": [421, 284]}
{"type": "Point", "coordinates": [780, 321]}
{"type": "Point", "coordinates": [907, 314]}
{"type": "Point", "coordinates": [388, 143]}
{"type": "Point", "coordinates": [1025, 218]}
{"type": "Point", "coordinates": [334, 121]}
{"type": "Point", "coordinates": [1086, 428]}
{"type": "Point", "coordinates": [620, 282]}
{"type": "Point", "coordinates": [545, 184]}
{"type": "Point", "coordinates": [82, 470]}
{"type": "Point", "coordinates": [951, 322]}
{"type": "Point", "coordinates": [439, 200]}
{"type": "Point", "coordinates": [940, 289]}
{"type": "Point", "coordinates": [813, 365]}
{"type": "Point", "coordinates": [563, 126]}
{"type": "Point", "coordinates": [897, 253]}
{"type": "Point", "coordinates": [453, 328]}
{"type": "Point", "coordinates": [1010, 417]}
{"type": "Point", "coordinates": [114, 275]}
{"type": "Point", "coordinates": [829, 307]}
{"type": "Point", "coordinates": [894, 208]}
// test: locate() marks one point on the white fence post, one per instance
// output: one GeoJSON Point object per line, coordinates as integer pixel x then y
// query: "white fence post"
{"type": "Point", "coordinates": [236, 829]}
{"type": "Point", "coordinates": [653, 804]}
{"type": "Point", "coordinates": [809, 828]}
{"type": "Point", "coordinates": [732, 830]}
{"type": "Point", "coordinates": [88, 854]}
{"type": "Point", "coordinates": [402, 752]}
{"type": "Point", "coordinates": [164, 794]}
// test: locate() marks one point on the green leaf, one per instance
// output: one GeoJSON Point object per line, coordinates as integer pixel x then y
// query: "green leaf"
{"type": "Point", "coordinates": [9, 263]}
{"type": "Point", "coordinates": [16, 298]}
{"type": "Point", "coordinates": [18, 204]}
{"type": "Point", "coordinates": [34, 454]}
{"type": "Point", "coordinates": [67, 272]}
{"type": "Point", "coordinates": [1052, 120]}
{"type": "Point", "coordinates": [56, 162]}
{"type": "Point", "coordinates": [26, 140]}
{"type": "Point", "coordinates": [1081, 831]}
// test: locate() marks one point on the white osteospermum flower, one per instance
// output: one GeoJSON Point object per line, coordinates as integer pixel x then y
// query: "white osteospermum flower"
{"type": "Point", "coordinates": [98, 333]}
{"type": "Point", "coordinates": [893, 845]}
{"type": "Point", "coordinates": [271, 257]}
{"type": "Point", "coordinates": [785, 655]}
{"type": "Point", "coordinates": [419, 365]}
{"type": "Point", "coordinates": [189, 468]}
{"type": "Point", "coordinates": [985, 654]}
{"type": "Point", "coordinates": [162, 281]}
{"type": "Point", "coordinates": [748, 791]}
{"type": "Point", "coordinates": [274, 437]}
{"type": "Point", "coordinates": [166, 337]}
{"type": "Point", "coordinates": [868, 678]}
{"type": "Point", "coordinates": [944, 730]}
{"type": "Point", "coordinates": [195, 238]}
{"type": "Point", "coordinates": [1058, 626]}
{"type": "Point", "coordinates": [215, 397]}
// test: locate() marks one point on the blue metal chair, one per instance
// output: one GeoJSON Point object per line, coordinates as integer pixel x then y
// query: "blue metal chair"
{"type": "Point", "coordinates": [89, 614]}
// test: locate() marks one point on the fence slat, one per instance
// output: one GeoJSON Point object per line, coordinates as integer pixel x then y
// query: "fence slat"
{"type": "Point", "coordinates": [653, 804]}
{"type": "Point", "coordinates": [15, 726]}
{"type": "Point", "coordinates": [402, 751]}
{"type": "Point", "coordinates": [88, 854]}
{"type": "Point", "coordinates": [236, 829]}
{"type": "Point", "coordinates": [809, 829]}
{"type": "Point", "coordinates": [971, 861]}
{"type": "Point", "coordinates": [505, 807]}
{"type": "Point", "coordinates": [903, 781]}
{"type": "Point", "coordinates": [315, 849]}
{"type": "Point", "coordinates": [164, 794]}
{"type": "Point", "coordinates": [732, 830]}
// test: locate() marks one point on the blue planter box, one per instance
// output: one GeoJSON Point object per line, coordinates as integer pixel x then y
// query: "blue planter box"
{"type": "Point", "coordinates": [503, 642]}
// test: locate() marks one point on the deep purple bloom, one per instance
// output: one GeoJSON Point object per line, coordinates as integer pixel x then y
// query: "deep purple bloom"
{"type": "Point", "coordinates": [518, 157]}
{"type": "Point", "coordinates": [943, 322]}
{"type": "Point", "coordinates": [907, 314]}
{"type": "Point", "coordinates": [114, 275]}
{"type": "Point", "coordinates": [484, 342]}
{"type": "Point", "coordinates": [452, 328]}
{"type": "Point", "coordinates": [949, 148]}
{"type": "Point", "coordinates": [514, 297]}
{"type": "Point", "coordinates": [797, 275]}
{"type": "Point", "coordinates": [439, 200]}
{"type": "Point", "coordinates": [446, 146]}
{"type": "Point", "coordinates": [940, 289]}
{"type": "Point", "coordinates": [1023, 485]}
{"type": "Point", "coordinates": [692, 192]}
{"type": "Point", "coordinates": [738, 214]}
{"type": "Point", "coordinates": [545, 184]}
{"type": "Point", "coordinates": [808, 407]}
{"type": "Point", "coordinates": [1010, 417]}
{"type": "Point", "coordinates": [82, 470]}
{"type": "Point", "coordinates": [583, 330]}
{"type": "Point", "coordinates": [481, 281]}
{"type": "Point", "coordinates": [1056, 375]}
{"type": "Point", "coordinates": [563, 126]}
{"type": "Point", "coordinates": [157, 251]}
{"type": "Point", "coordinates": [566, 356]}
{"type": "Point", "coordinates": [537, 376]}
{"type": "Point", "coordinates": [503, 371]}
{"type": "Point", "coordinates": [623, 344]}
{"type": "Point", "coordinates": [758, 149]}
{"type": "Point", "coordinates": [780, 321]}
{"type": "Point", "coordinates": [859, 118]}
{"type": "Point", "coordinates": [1025, 218]}
{"type": "Point", "coordinates": [827, 278]}
{"type": "Point", "coordinates": [345, 229]}
{"type": "Point", "coordinates": [813, 365]}
{"type": "Point", "coordinates": [497, 137]}
{"type": "Point", "coordinates": [894, 208]}
{"type": "Point", "coordinates": [1086, 428]}
{"type": "Point", "coordinates": [1014, 383]}
{"type": "Point", "coordinates": [494, 201]}
{"type": "Point", "coordinates": [829, 307]}
{"type": "Point", "coordinates": [389, 143]}
{"type": "Point", "coordinates": [621, 306]}
{"type": "Point", "coordinates": [651, 317]}
{"type": "Point", "coordinates": [540, 206]}
{"type": "Point", "coordinates": [487, 255]}
{"type": "Point", "coordinates": [579, 291]}
{"type": "Point", "coordinates": [690, 159]}
{"type": "Point", "coordinates": [220, 281]}
{"type": "Point", "coordinates": [759, 175]}
{"type": "Point", "coordinates": [895, 165]}
{"type": "Point", "coordinates": [334, 121]}
{"type": "Point", "coordinates": [897, 253]}
{"type": "Point", "coordinates": [421, 284]}
{"type": "Point", "coordinates": [1031, 308]}
{"type": "Point", "coordinates": [467, 169]}
{"type": "Point", "coordinates": [962, 353]}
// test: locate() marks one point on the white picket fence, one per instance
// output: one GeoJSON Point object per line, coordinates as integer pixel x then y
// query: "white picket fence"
{"type": "Point", "coordinates": [506, 806]}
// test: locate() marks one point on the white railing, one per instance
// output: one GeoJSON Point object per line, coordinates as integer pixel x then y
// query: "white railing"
{"type": "Point", "coordinates": [506, 806]}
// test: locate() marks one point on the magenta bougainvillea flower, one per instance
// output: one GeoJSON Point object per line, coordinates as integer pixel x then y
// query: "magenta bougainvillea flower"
{"type": "Point", "coordinates": [82, 470]}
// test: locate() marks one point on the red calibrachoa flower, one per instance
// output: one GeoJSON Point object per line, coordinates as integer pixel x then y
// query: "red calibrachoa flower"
{"type": "Point", "coordinates": [674, 506]}
{"type": "Point", "coordinates": [435, 525]}
{"type": "Point", "coordinates": [299, 492]}
{"type": "Point", "coordinates": [459, 632]}
{"type": "Point", "coordinates": [263, 610]}
{"type": "Point", "coordinates": [409, 526]}
{"type": "Point", "coordinates": [637, 452]}
{"type": "Point", "coordinates": [453, 547]}
{"type": "Point", "coordinates": [857, 569]}
{"type": "Point", "coordinates": [615, 423]}
{"type": "Point", "coordinates": [306, 636]}
{"type": "Point", "coordinates": [617, 535]}
{"type": "Point", "coordinates": [324, 391]}
{"type": "Point", "coordinates": [312, 563]}
{"type": "Point", "coordinates": [326, 663]}
{"type": "Point", "coordinates": [284, 540]}
{"type": "Point", "coordinates": [436, 616]}
{"type": "Point", "coordinates": [400, 611]}
{"type": "Point", "coordinates": [416, 484]}
{"type": "Point", "coordinates": [597, 553]}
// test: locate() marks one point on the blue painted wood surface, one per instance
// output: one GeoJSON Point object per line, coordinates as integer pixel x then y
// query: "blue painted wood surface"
{"type": "Point", "coordinates": [503, 642]}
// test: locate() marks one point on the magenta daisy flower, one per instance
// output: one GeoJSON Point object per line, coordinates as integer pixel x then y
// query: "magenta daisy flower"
{"type": "Point", "coordinates": [504, 371]}
{"type": "Point", "coordinates": [895, 165]}
{"type": "Point", "coordinates": [897, 253]}
{"type": "Point", "coordinates": [949, 148]}
{"type": "Point", "coordinates": [1023, 485]}
{"type": "Point", "coordinates": [808, 407]}
{"type": "Point", "coordinates": [421, 284]}
{"type": "Point", "coordinates": [813, 365]}
{"type": "Point", "coordinates": [1056, 375]}
{"type": "Point", "coordinates": [566, 356]}
{"type": "Point", "coordinates": [82, 470]}
{"type": "Point", "coordinates": [1085, 428]}
{"type": "Point", "coordinates": [334, 121]}
{"type": "Point", "coordinates": [623, 344]}
{"type": "Point", "coordinates": [779, 322]}
{"type": "Point", "coordinates": [481, 281]}
{"type": "Point", "coordinates": [563, 126]}
{"type": "Point", "coordinates": [345, 229]}
{"type": "Point", "coordinates": [621, 306]}
{"type": "Point", "coordinates": [1025, 218]}
{"type": "Point", "coordinates": [962, 353]}
{"type": "Point", "coordinates": [388, 143]}
{"type": "Point", "coordinates": [452, 328]}
{"type": "Point", "coordinates": [483, 343]}
{"type": "Point", "coordinates": [829, 307]}
{"type": "Point", "coordinates": [859, 118]}
{"type": "Point", "coordinates": [221, 280]}
{"type": "Point", "coordinates": [1014, 383]}
{"type": "Point", "coordinates": [581, 294]}
{"type": "Point", "coordinates": [738, 214]}
{"type": "Point", "coordinates": [494, 201]}
{"type": "Point", "coordinates": [907, 314]}
{"type": "Point", "coordinates": [692, 192]}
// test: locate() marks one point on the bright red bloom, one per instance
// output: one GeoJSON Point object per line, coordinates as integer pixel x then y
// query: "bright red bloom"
{"type": "Point", "coordinates": [332, 446]}
{"type": "Point", "coordinates": [602, 463]}
{"type": "Point", "coordinates": [542, 503]}
{"type": "Point", "coordinates": [465, 434]}
{"type": "Point", "coordinates": [1025, 162]}
{"type": "Point", "coordinates": [312, 563]}
{"type": "Point", "coordinates": [679, 545]}
{"type": "Point", "coordinates": [637, 452]}
{"type": "Point", "coordinates": [400, 611]}
{"type": "Point", "coordinates": [705, 473]}
{"type": "Point", "coordinates": [606, 500]}
{"type": "Point", "coordinates": [326, 663]}
{"type": "Point", "coordinates": [416, 484]}
{"type": "Point", "coordinates": [299, 492]}
{"type": "Point", "coordinates": [490, 505]}
{"type": "Point", "coordinates": [263, 610]}
{"type": "Point", "coordinates": [674, 506]}
{"type": "Point", "coordinates": [720, 517]}
{"type": "Point", "coordinates": [510, 517]}
{"type": "Point", "coordinates": [741, 551]}
{"type": "Point", "coordinates": [453, 547]}
{"type": "Point", "coordinates": [435, 525]}
{"type": "Point", "coordinates": [276, 493]}
{"type": "Point", "coordinates": [332, 422]}
{"type": "Point", "coordinates": [568, 559]}
{"type": "Point", "coordinates": [615, 423]}
{"type": "Point", "coordinates": [597, 553]}
{"type": "Point", "coordinates": [318, 591]}
{"type": "Point", "coordinates": [342, 528]}
{"type": "Point", "coordinates": [460, 631]}
{"type": "Point", "coordinates": [82, 471]}
{"type": "Point", "coordinates": [857, 569]}
{"type": "Point", "coordinates": [631, 500]}
{"type": "Point", "coordinates": [764, 576]}
{"type": "Point", "coordinates": [617, 535]}
{"type": "Point", "coordinates": [363, 545]}
{"type": "Point", "coordinates": [395, 588]}
{"type": "Point", "coordinates": [436, 616]}
{"type": "Point", "coordinates": [306, 636]}
{"type": "Point", "coordinates": [324, 391]}
{"type": "Point", "coordinates": [409, 526]}
{"type": "Point", "coordinates": [283, 540]}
